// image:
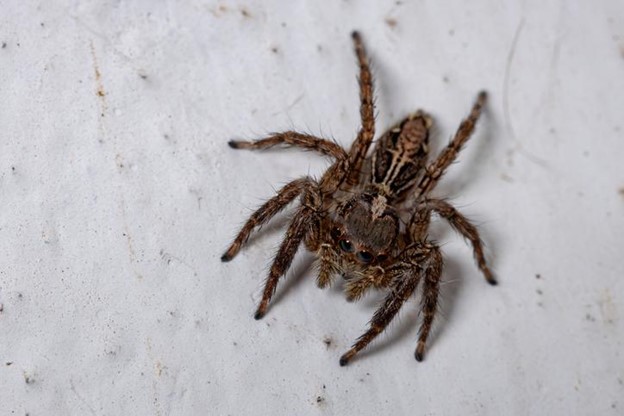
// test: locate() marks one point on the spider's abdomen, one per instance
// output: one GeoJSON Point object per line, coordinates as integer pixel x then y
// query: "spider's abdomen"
{"type": "Point", "coordinates": [400, 155]}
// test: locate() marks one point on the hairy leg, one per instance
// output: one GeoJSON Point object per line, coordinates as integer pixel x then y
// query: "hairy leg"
{"type": "Point", "coordinates": [294, 139]}
{"type": "Point", "coordinates": [419, 223]}
{"type": "Point", "coordinates": [402, 290]}
{"type": "Point", "coordinates": [267, 211]}
{"type": "Point", "coordinates": [437, 168]}
{"type": "Point", "coordinates": [327, 269]}
{"type": "Point", "coordinates": [365, 136]}
{"type": "Point", "coordinates": [431, 288]}
{"type": "Point", "coordinates": [467, 230]}
{"type": "Point", "coordinates": [376, 276]}
{"type": "Point", "coordinates": [296, 233]}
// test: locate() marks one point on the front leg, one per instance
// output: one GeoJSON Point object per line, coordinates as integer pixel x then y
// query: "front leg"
{"type": "Point", "coordinates": [429, 303]}
{"type": "Point", "coordinates": [263, 214]}
{"type": "Point", "coordinates": [295, 234]}
{"type": "Point", "coordinates": [373, 276]}
{"type": "Point", "coordinates": [401, 291]}
{"type": "Point", "coordinates": [304, 222]}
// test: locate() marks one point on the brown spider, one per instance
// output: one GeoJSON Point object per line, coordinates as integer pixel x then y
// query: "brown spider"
{"type": "Point", "coordinates": [367, 217]}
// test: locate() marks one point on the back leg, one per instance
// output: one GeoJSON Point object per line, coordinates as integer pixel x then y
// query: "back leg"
{"type": "Point", "coordinates": [437, 168]}
{"type": "Point", "coordinates": [294, 139]}
{"type": "Point", "coordinates": [263, 214]}
{"type": "Point", "coordinates": [365, 136]}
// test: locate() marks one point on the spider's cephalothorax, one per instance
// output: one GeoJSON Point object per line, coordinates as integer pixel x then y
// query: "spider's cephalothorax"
{"type": "Point", "coordinates": [366, 219]}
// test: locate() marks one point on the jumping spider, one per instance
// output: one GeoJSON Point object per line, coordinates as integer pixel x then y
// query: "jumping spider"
{"type": "Point", "coordinates": [367, 217]}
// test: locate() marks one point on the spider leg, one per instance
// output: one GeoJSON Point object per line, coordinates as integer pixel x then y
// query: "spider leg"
{"type": "Point", "coordinates": [436, 169]}
{"type": "Point", "coordinates": [419, 223]}
{"type": "Point", "coordinates": [327, 270]}
{"type": "Point", "coordinates": [357, 286]}
{"type": "Point", "coordinates": [294, 139]}
{"type": "Point", "coordinates": [267, 211]}
{"type": "Point", "coordinates": [467, 230]}
{"type": "Point", "coordinates": [296, 233]}
{"type": "Point", "coordinates": [373, 277]}
{"type": "Point", "coordinates": [431, 288]}
{"type": "Point", "coordinates": [360, 146]}
{"type": "Point", "coordinates": [402, 290]}
{"type": "Point", "coordinates": [327, 257]}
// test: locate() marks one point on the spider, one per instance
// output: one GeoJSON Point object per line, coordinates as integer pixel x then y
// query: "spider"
{"type": "Point", "coordinates": [366, 218]}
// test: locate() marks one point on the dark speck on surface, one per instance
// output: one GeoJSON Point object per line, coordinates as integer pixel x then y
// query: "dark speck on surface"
{"type": "Point", "coordinates": [327, 341]}
{"type": "Point", "coordinates": [391, 22]}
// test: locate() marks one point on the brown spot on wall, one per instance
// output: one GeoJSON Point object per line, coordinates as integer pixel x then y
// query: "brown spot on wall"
{"type": "Point", "coordinates": [391, 22]}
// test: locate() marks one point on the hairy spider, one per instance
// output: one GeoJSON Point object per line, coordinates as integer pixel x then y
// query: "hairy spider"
{"type": "Point", "coordinates": [367, 217]}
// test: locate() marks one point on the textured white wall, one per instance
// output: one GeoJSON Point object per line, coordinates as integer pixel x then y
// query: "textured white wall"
{"type": "Point", "coordinates": [119, 195]}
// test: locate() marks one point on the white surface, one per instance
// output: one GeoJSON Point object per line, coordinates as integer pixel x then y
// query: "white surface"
{"type": "Point", "coordinates": [119, 195]}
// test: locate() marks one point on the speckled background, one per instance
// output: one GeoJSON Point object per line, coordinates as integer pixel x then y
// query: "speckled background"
{"type": "Point", "coordinates": [119, 194]}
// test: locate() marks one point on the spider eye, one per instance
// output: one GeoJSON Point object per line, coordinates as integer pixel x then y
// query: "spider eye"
{"type": "Point", "coordinates": [335, 233]}
{"type": "Point", "coordinates": [364, 256]}
{"type": "Point", "coordinates": [346, 246]}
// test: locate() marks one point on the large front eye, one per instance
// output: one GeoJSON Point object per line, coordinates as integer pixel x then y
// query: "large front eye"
{"type": "Point", "coordinates": [335, 233]}
{"type": "Point", "coordinates": [364, 256]}
{"type": "Point", "coordinates": [346, 246]}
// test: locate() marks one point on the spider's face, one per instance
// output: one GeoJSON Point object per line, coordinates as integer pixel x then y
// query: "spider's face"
{"type": "Point", "coordinates": [365, 229]}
